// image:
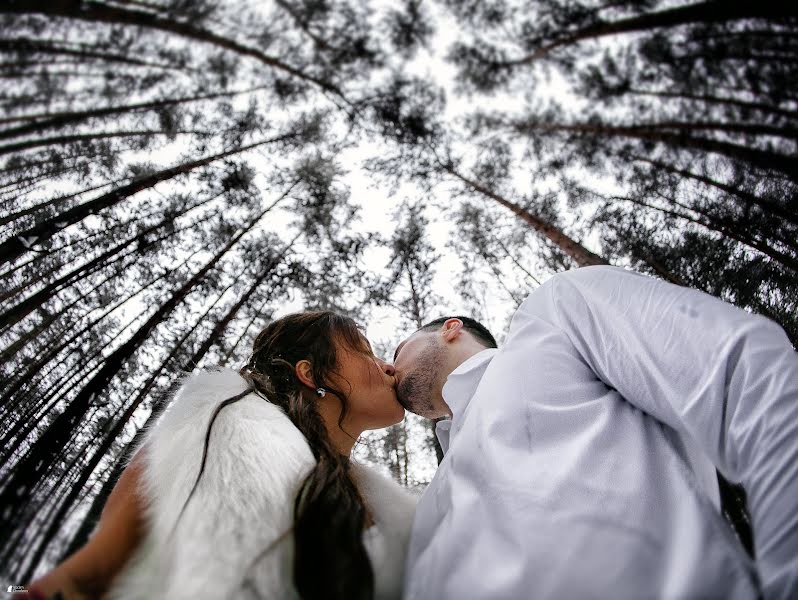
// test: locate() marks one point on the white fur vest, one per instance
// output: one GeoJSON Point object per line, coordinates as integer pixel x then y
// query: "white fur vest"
{"type": "Point", "coordinates": [257, 459]}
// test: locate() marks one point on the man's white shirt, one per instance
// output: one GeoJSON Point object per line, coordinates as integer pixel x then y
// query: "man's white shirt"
{"type": "Point", "coordinates": [580, 457]}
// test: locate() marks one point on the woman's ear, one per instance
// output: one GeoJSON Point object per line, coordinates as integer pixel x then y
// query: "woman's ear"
{"type": "Point", "coordinates": [304, 373]}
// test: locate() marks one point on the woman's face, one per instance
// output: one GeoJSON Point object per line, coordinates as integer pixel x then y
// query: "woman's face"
{"type": "Point", "coordinates": [370, 386]}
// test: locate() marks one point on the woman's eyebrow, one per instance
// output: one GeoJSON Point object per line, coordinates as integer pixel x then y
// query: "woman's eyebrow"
{"type": "Point", "coordinates": [396, 352]}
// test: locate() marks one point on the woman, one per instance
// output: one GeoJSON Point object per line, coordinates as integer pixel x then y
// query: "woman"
{"type": "Point", "coordinates": [244, 489]}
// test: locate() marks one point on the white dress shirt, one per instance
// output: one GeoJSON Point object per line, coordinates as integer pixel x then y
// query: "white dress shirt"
{"type": "Point", "coordinates": [580, 456]}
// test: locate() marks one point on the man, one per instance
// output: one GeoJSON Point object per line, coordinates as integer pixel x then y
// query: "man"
{"type": "Point", "coordinates": [580, 457]}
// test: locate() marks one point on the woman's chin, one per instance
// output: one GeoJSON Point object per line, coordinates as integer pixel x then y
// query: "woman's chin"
{"type": "Point", "coordinates": [400, 415]}
{"type": "Point", "coordinates": [394, 416]}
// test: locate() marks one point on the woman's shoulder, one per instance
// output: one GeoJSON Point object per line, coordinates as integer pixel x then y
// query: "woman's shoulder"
{"type": "Point", "coordinates": [216, 495]}
{"type": "Point", "coordinates": [201, 393]}
{"type": "Point", "coordinates": [249, 444]}
{"type": "Point", "coordinates": [385, 497]}
{"type": "Point", "coordinates": [393, 508]}
{"type": "Point", "coordinates": [213, 381]}
{"type": "Point", "coordinates": [206, 388]}
{"type": "Point", "coordinates": [369, 476]}
{"type": "Point", "coordinates": [250, 422]}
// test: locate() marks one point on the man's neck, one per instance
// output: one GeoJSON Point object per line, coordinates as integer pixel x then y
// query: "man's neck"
{"type": "Point", "coordinates": [463, 381]}
{"type": "Point", "coordinates": [457, 356]}
{"type": "Point", "coordinates": [461, 353]}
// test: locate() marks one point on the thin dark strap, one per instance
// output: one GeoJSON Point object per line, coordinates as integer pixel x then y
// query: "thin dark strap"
{"type": "Point", "coordinates": [735, 508]}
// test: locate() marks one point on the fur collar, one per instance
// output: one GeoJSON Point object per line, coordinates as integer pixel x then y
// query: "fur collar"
{"type": "Point", "coordinates": [257, 459]}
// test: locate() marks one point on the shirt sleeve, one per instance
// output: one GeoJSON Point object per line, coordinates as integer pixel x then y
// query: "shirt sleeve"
{"type": "Point", "coordinates": [725, 378]}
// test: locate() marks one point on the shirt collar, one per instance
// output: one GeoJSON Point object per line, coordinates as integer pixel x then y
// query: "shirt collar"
{"type": "Point", "coordinates": [459, 388]}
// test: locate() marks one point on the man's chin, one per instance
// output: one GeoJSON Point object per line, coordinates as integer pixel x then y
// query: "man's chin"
{"type": "Point", "coordinates": [405, 405]}
{"type": "Point", "coordinates": [412, 401]}
{"type": "Point", "coordinates": [415, 408]}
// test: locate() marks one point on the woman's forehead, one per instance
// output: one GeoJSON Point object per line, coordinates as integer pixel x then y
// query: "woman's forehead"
{"type": "Point", "coordinates": [355, 339]}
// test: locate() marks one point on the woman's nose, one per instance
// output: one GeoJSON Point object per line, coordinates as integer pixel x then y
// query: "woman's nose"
{"type": "Point", "coordinates": [388, 369]}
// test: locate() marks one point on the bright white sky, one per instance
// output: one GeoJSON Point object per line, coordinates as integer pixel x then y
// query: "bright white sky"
{"type": "Point", "coordinates": [385, 325]}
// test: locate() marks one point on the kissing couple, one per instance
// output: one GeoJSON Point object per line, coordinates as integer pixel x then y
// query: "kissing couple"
{"type": "Point", "coordinates": [582, 460]}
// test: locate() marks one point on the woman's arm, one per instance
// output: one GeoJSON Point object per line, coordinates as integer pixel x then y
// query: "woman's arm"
{"type": "Point", "coordinates": [87, 574]}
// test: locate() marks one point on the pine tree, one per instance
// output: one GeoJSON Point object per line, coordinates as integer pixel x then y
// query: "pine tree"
{"type": "Point", "coordinates": [411, 269]}
{"type": "Point", "coordinates": [135, 141]}
{"type": "Point", "coordinates": [678, 130]}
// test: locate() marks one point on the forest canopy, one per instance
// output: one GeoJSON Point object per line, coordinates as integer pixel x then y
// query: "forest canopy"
{"type": "Point", "coordinates": [175, 173]}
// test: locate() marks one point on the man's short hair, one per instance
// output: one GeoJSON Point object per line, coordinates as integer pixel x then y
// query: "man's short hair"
{"type": "Point", "coordinates": [475, 328]}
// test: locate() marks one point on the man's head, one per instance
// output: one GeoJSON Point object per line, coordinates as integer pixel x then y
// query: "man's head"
{"type": "Point", "coordinates": [425, 359]}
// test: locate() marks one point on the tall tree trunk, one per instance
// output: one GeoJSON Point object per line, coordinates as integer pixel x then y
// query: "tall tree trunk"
{"type": "Point", "coordinates": [222, 324]}
{"type": "Point", "coordinates": [30, 335]}
{"type": "Point", "coordinates": [21, 540]}
{"type": "Point", "coordinates": [257, 315]}
{"type": "Point", "coordinates": [711, 224]}
{"type": "Point", "coordinates": [26, 422]}
{"type": "Point", "coordinates": [53, 350]}
{"type": "Point", "coordinates": [580, 255]}
{"type": "Point", "coordinates": [62, 140]}
{"type": "Point", "coordinates": [99, 453]}
{"type": "Point", "coordinates": [31, 46]}
{"type": "Point", "coordinates": [115, 15]}
{"type": "Point", "coordinates": [715, 100]}
{"type": "Point", "coordinates": [43, 122]}
{"type": "Point", "coordinates": [763, 203]}
{"type": "Point", "coordinates": [18, 312]}
{"type": "Point", "coordinates": [22, 242]}
{"type": "Point", "coordinates": [762, 159]}
{"type": "Point", "coordinates": [674, 127]}
{"type": "Point", "coordinates": [711, 11]}
{"type": "Point", "coordinates": [43, 402]}
{"type": "Point", "coordinates": [19, 488]}
{"type": "Point", "coordinates": [11, 217]}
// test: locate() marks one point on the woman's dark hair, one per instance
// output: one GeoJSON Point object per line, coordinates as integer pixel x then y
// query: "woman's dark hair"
{"type": "Point", "coordinates": [330, 559]}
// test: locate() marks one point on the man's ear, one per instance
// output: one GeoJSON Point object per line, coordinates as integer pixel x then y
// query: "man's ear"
{"type": "Point", "coordinates": [452, 328]}
{"type": "Point", "coordinates": [304, 373]}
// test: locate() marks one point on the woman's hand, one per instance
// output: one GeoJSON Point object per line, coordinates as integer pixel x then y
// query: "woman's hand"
{"type": "Point", "coordinates": [54, 586]}
{"type": "Point", "coordinates": [87, 574]}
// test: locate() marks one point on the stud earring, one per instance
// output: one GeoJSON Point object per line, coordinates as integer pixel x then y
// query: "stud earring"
{"type": "Point", "coordinates": [321, 392]}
